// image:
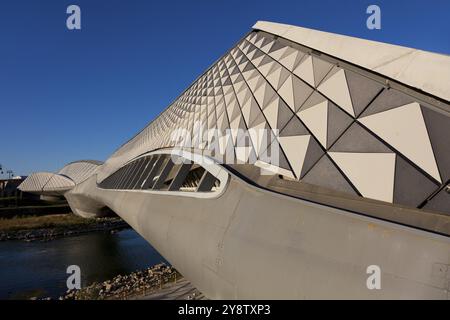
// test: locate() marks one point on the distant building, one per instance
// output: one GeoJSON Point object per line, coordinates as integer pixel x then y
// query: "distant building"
{"type": "Point", "coordinates": [8, 187]}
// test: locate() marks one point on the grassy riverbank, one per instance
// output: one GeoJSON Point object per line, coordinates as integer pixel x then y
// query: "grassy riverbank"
{"type": "Point", "coordinates": [43, 209]}
{"type": "Point", "coordinates": [56, 225]}
{"type": "Point", "coordinates": [49, 221]}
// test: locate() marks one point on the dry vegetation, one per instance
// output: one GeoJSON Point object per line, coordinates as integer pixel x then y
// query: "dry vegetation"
{"type": "Point", "coordinates": [38, 222]}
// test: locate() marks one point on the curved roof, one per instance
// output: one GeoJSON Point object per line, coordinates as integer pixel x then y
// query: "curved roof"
{"type": "Point", "coordinates": [79, 171]}
{"type": "Point", "coordinates": [352, 115]}
{"type": "Point", "coordinates": [46, 182]}
{"type": "Point", "coordinates": [423, 70]}
{"type": "Point", "coordinates": [96, 162]}
{"type": "Point", "coordinates": [69, 176]}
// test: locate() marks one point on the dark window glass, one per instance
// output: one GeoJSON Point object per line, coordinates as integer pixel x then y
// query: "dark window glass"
{"type": "Point", "coordinates": [149, 162]}
{"type": "Point", "coordinates": [208, 182]}
{"type": "Point", "coordinates": [125, 176]}
{"type": "Point", "coordinates": [162, 172]}
{"type": "Point", "coordinates": [168, 173]}
{"type": "Point", "coordinates": [137, 173]}
{"type": "Point", "coordinates": [130, 175]}
{"type": "Point", "coordinates": [192, 179]}
{"type": "Point", "coordinates": [154, 172]}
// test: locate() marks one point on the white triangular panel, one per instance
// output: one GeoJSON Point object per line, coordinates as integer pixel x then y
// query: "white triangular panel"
{"type": "Point", "coordinates": [267, 46]}
{"type": "Point", "coordinates": [257, 61]}
{"type": "Point", "coordinates": [243, 153]}
{"type": "Point", "coordinates": [286, 91]}
{"type": "Point", "coordinates": [278, 53]}
{"type": "Point", "coordinates": [271, 169]}
{"type": "Point", "coordinates": [259, 94]}
{"type": "Point", "coordinates": [305, 71]}
{"type": "Point", "coordinates": [336, 89]}
{"type": "Point", "coordinates": [246, 110]}
{"type": "Point", "coordinates": [316, 119]}
{"type": "Point", "coordinates": [265, 68]}
{"type": "Point", "coordinates": [295, 148]}
{"type": "Point", "coordinates": [371, 173]}
{"type": "Point", "coordinates": [258, 135]}
{"type": "Point", "coordinates": [288, 59]}
{"type": "Point", "coordinates": [274, 77]}
{"type": "Point", "coordinates": [271, 113]}
{"type": "Point", "coordinates": [405, 130]}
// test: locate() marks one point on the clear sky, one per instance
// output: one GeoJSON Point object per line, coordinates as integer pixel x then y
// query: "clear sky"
{"type": "Point", "coordinates": [70, 95]}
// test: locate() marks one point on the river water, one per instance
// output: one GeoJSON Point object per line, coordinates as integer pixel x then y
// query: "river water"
{"type": "Point", "coordinates": [38, 269]}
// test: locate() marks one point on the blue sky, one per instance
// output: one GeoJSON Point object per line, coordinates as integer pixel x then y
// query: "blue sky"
{"type": "Point", "coordinates": [69, 95]}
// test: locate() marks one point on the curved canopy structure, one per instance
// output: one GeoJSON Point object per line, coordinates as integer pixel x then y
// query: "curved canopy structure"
{"type": "Point", "coordinates": [46, 183]}
{"type": "Point", "coordinates": [79, 171]}
{"type": "Point", "coordinates": [58, 183]}
{"type": "Point", "coordinates": [312, 152]}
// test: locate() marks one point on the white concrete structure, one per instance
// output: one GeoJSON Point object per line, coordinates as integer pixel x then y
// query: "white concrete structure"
{"type": "Point", "coordinates": [308, 157]}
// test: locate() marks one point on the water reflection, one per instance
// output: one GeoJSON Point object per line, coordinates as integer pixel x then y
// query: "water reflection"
{"type": "Point", "coordinates": [39, 268]}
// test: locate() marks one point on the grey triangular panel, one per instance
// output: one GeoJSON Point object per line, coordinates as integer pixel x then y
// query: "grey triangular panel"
{"type": "Point", "coordinates": [266, 141]}
{"type": "Point", "coordinates": [243, 60]}
{"type": "Point", "coordinates": [294, 128]}
{"type": "Point", "coordinates": [284, 115]}
{"type": "Point", "coordinates": [239, 78]}
{"type": "Point", "coordinates": [224, 124]}
{"type": "Point", "coordinates": [278, 159]}
{"type": "Point", "coordinates": [265, 60]}
{"type": "Point", "coordinates": [312, 101]}
{"type": "Point", "coordinates": [321, 68]}
{"type": "Point", "coordinates": [248, 67]}
{"type": "Point", "coordinates": [250, 47]}
{"type": "Point", "coordinates": [298, 59]}
{"type": "Point", "coordinates": [244, 44]}
{"type": "Point", "coordinates": [257, 37]}
{"type": "Point", "coordinates": [258, 54]}
{"type": "Point", "coordinates": [357, 139]}
{"type": "Point", "coordinates": [282, 160]}
{"type": "Point", "coordinates": [387, 100]}
{"type": "Point", "coordinates": [242, 123]}
{"type": "Point", "coordinates": [411, 187]}
{"type": "Point", "coordinates": [438, 126]}
{"type": "Point", "coordinates": [338, 121]}
{"type": "Point", "coordinates": [254, 112]}
{"type": "Point", "coordinates": [265, 41]}
{"type": "Point", "coordinates": [236, 113]}
{"type": "Point", "coordinates": [362, 90]}
{"type": "Point", "coordinates": [325, 174]}
{"type": "Point", "coordinates": [236, 69]}
{"type": "Point", "coordinates": [258, 118]}
{"type": "Point", "coordinates": [301, 92]}
{"type": "Point", "coordinates": [331, 73]}
{"type": "Point", "coordinates": [243, 139]}
{"type": "Point", "coordinates": [227, 82]}
{"type": "Point", "coordinates": [440, 202]}
{"type": "Point", "coordinates": [269, 95]}
{"type": "Point", "coordinates": [276, 46]}
{"type": "Point", "coordinates": [284, 74]}
{"type": "Point", "coordinates": [313, 154]}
